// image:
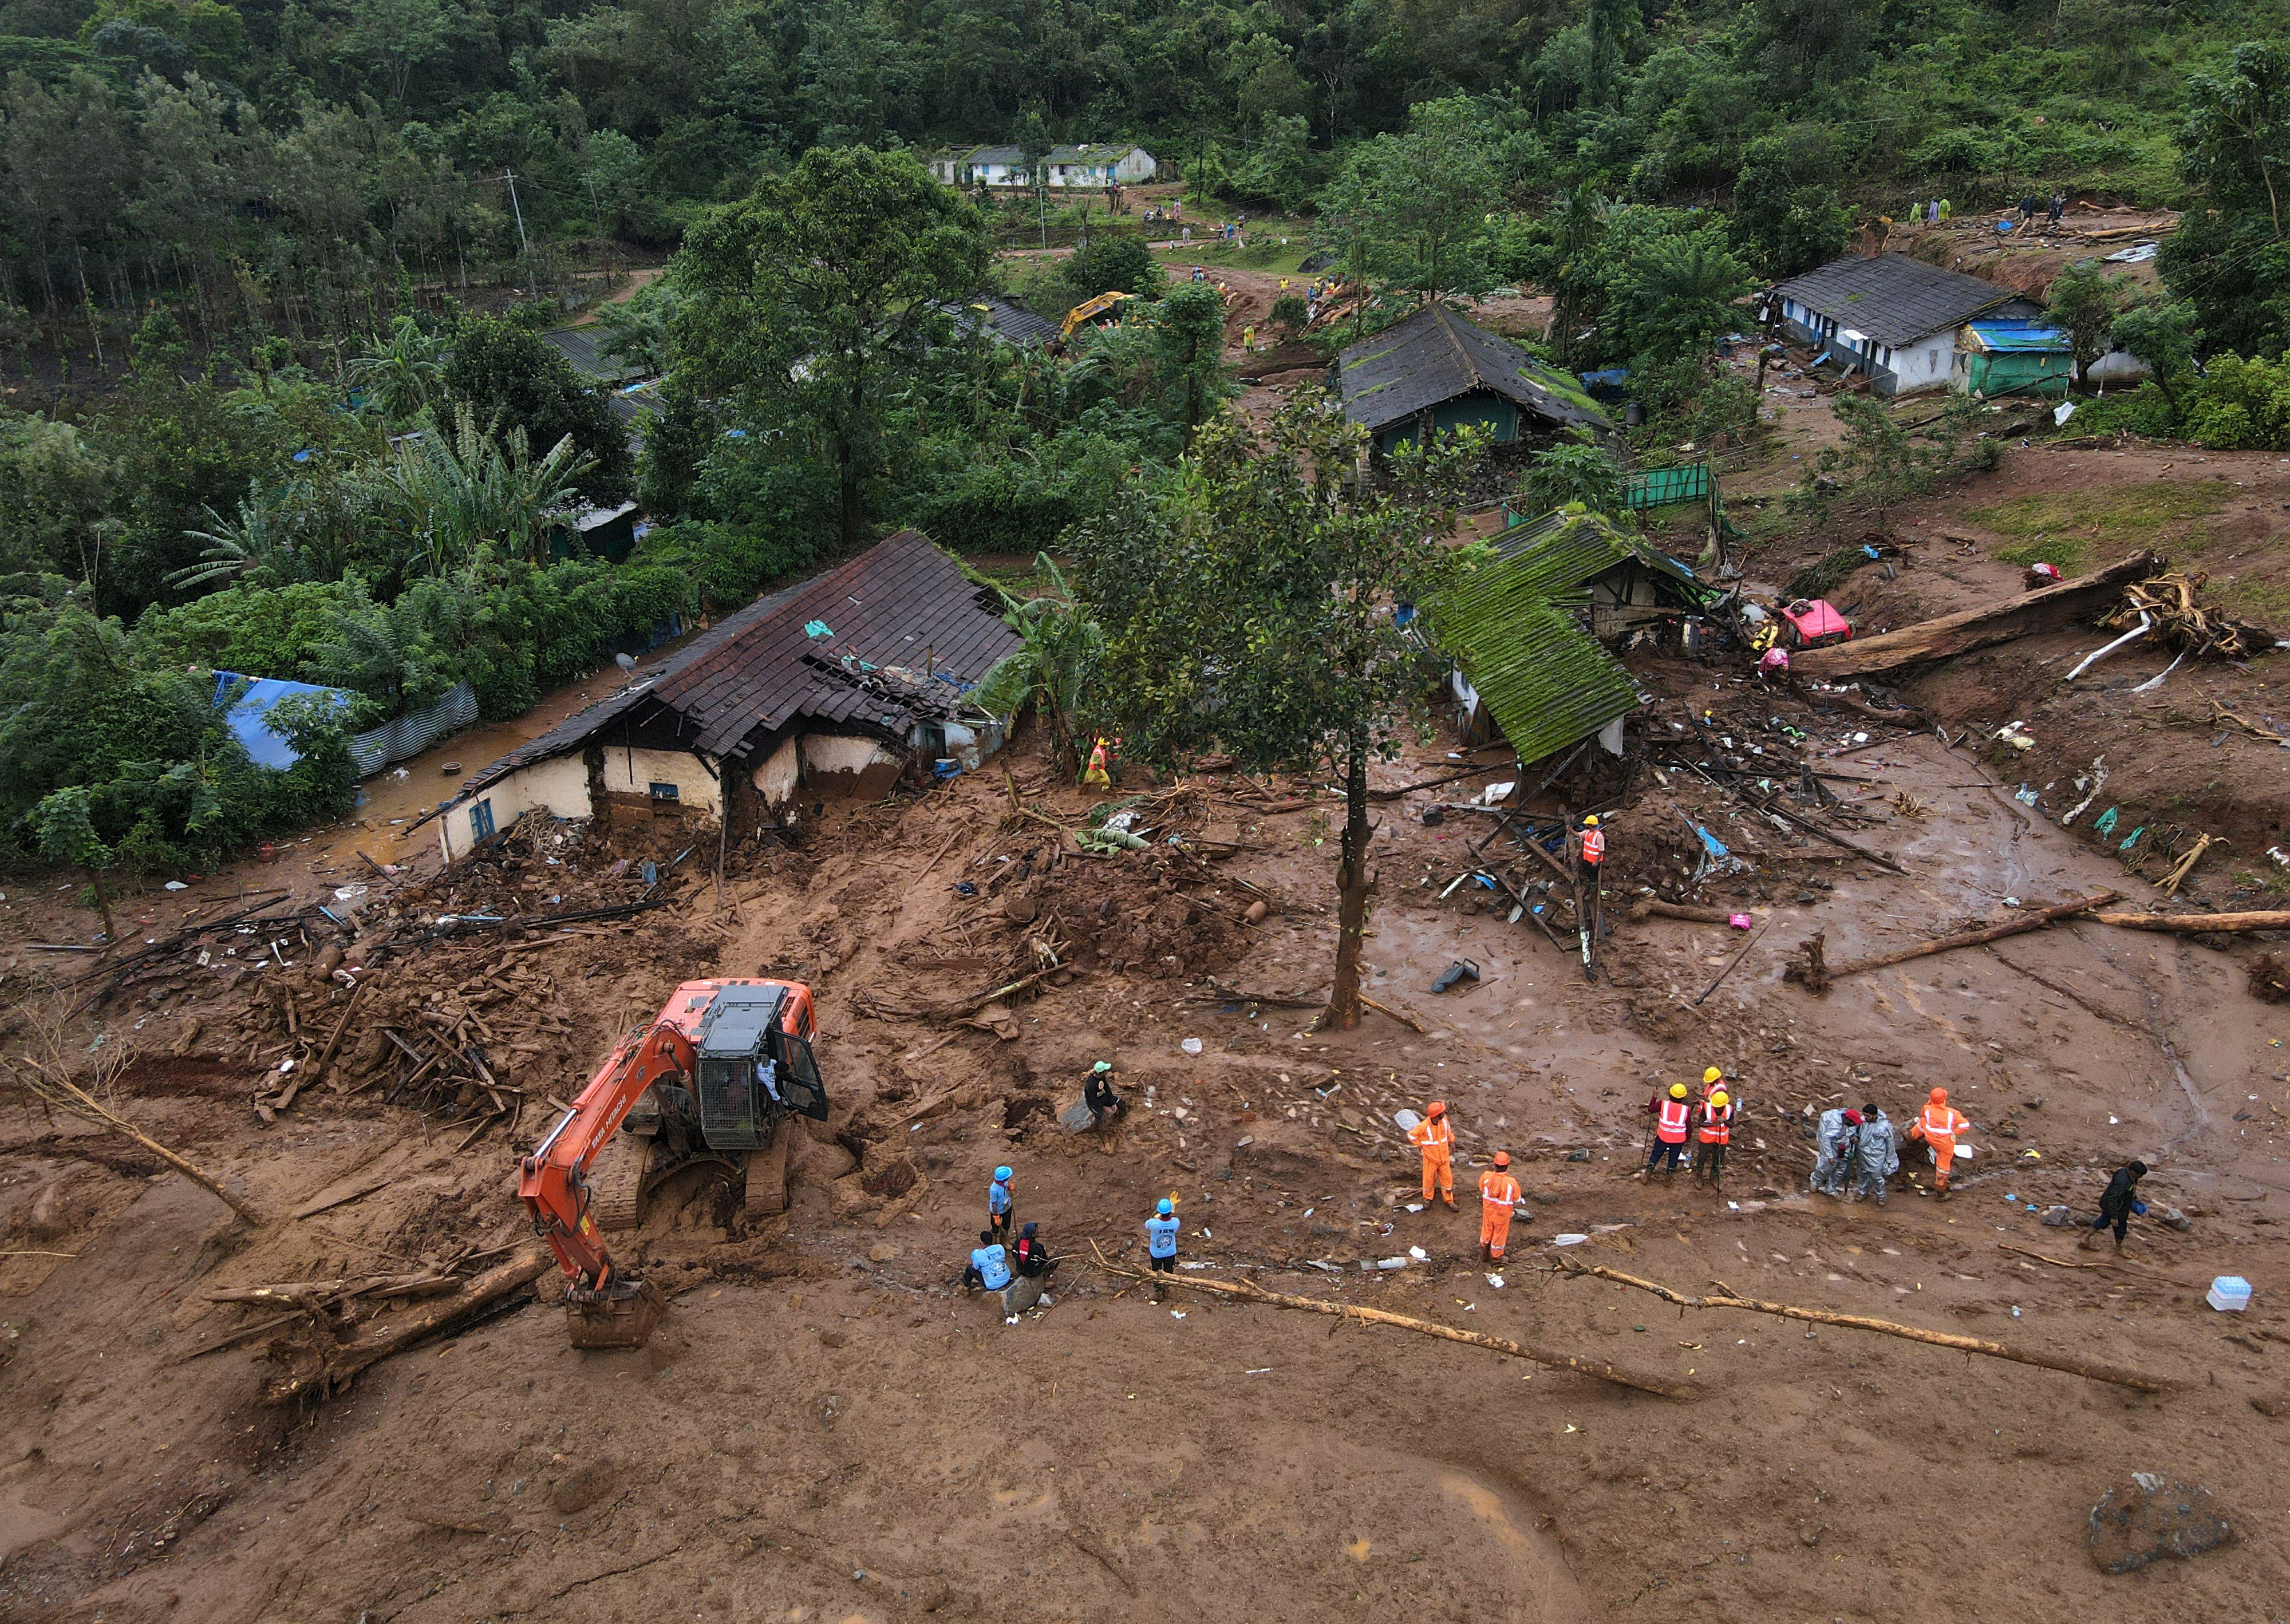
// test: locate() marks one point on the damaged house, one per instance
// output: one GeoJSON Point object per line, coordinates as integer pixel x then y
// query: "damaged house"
{"type": "Point", "coordinates": [1435, 371]}
{"type": "Point", "coordinates": [1528, 630]}
{"type": "Point", "coordinates": [837, 687]}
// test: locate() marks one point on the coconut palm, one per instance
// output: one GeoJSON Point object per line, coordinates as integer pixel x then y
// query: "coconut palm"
{"type": "Point", "coordinates": [1057, 658]}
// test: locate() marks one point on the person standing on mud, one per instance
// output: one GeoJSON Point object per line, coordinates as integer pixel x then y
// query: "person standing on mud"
{"type": "Point", "coordinates": [1671, 1113]}
{"type": "Point", "coordinates": [1713, 1133]}
{"type": "Point", "coordinates": [1939, 1125]}
{"type": "Point", "coordinates": [998, 1205]}
{"type": "Point", "coordinates": [1591, 850]}
{"type": "Point", "coordinates": [1437, 1140]}
{"type": "Point", "coordinates": [1877, 1157]}
{"type": "Point", "coordinates": [2118, 1205]}
{"type": "Point", "coordinates": [1838, 1136]}
{"type": "Point", "coordinates": [1161, 1242]}
{"type": "Point", "coordinates": [1498, 1201]}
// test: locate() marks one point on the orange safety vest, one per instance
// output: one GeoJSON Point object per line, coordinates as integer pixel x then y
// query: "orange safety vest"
{"type": "Point", "coordinates": [1499, 1189]}
{"type": "Point", "coordinates": [1671, 1130]}
{"type": "Point", "coordinates": [1717, 1123]}
{"type": "Point", "coordinates": [1939, 1121]}
{"type": "Point", "coordinates": [1432, 1133]}
{"type": "Point", "coordinates": [1594, 846]}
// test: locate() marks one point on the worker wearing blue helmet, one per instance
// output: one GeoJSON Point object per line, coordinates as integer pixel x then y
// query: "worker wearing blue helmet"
{"type": "Point", "coordinates": [997, 1205]}
{"type": "Point", "coordinates": [1161, 1241]}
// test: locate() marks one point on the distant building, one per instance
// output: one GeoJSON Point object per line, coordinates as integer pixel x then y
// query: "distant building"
{"type": "Point", "coordinates": [1435, 371]}
{"type": "Point", "coordinates": [1891, 316]}
{"type": "Point", "coordinates": [1079, 168]}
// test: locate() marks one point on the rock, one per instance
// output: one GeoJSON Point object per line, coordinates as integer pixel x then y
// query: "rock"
{"type": "Point", "coordinates": [2152, 1517]}
{"type": "Point", "coordinates": [2276, 1405]}
{"type": "Point", "coordinates": [1578, 1154]}
{"type": "Point", "coordinates": [1077, 1117]}
{"type": "Point", "coordinates": [2055, 1217]}
{"type": "Point", "coordinates": [882, 1252]}
{"type": "Point", "coordinates": [2172, 1219]}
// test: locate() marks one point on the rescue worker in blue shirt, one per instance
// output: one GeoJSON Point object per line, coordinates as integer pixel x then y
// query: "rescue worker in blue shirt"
{"type": "Point", "coordinates": [997, 1205]}
{"type": "Point", "coordinates": [1161, 1242]}
{"type": "Point", "coordinates": [989, 1264]}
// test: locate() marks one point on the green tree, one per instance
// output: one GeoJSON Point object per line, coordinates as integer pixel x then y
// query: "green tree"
{"type": "Point", "coordinates": [1188, 338]}
{"type": "Point", "coordinates": [2164, 335]}
{"type": "Point", "coordinates": [1785, 200]}
{"type": "Point", "coordinates": [1415, 209]}
{"type": "Point", "coordinates": [63, 831]}
{"type": "Point", "coordinates": [2083, 301]}
{"type": "Point", "coordinates": [1584, 474]}
{"type": "Point", "coordinates": [402, 373]}
{"type": "Point", "coordinates": [808, 303]}
{"type": "Point", "coordinates": [1874, 459]}
{"type": "Point", "coordinates": [1249, 604]}
{"type": "Point", "coordinates": [1060, 648]}
{"type": "Point", "coordinates": [2230, 258]}
{"type": "Point", "coordinates": [509, 378]}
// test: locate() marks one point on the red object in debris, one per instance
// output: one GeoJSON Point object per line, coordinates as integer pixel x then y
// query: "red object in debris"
{"type": "Point", "coordinates": [266, 852]}
{"type": "Point", "coordinates": [2041, 575]}
{"type": "Point", "coordinates": [1816, 624]}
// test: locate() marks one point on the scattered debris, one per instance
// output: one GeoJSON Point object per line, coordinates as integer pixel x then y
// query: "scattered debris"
{"type": "Point", "coordinates": [1960, 632]}
{"type": "Point", "coordinates": [1816, 974]}
{"type": "Point", "coordinates": [2152, 1517]}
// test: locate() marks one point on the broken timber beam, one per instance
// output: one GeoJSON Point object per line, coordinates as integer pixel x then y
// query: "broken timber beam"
{"type": "Point", "coordinates": [1817, 976]}
{"type": "Point", "coordinates": [1661, 909]}
{"type": "Point", "coordinates": [2043, 610]}
{"type": "Point", "coordinates": [2274, 919]}
{"type": "Point", "coordinates": [319, 1368]}
{"type": "Point", "coordinates": [1859, 1322]}
{"type": "Point", "coordinates": [1550, 1357]}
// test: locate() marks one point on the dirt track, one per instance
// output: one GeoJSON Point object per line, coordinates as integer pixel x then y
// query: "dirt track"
{"type": "Point", "coordinates": [824, 1430]}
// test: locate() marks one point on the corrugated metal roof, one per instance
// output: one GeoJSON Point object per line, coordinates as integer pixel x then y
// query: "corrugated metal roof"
{"type": "Point", "coordinates": [901, 603]}
{"type": "Point", "coordinates": [1011, 323]}
{"type": "Point", "coordinates": [584, 348]}
{"type": "Point", "coordinates": [2000, 336]}
{"type": "Point", "coordinates": [1893, 299]}
{"type": "Point", "coordinates": [1544, 679]}
{"type": "Point", "coordinates": [1563, 549]}
{"type": "Point", "coordinates": [1434, 356]}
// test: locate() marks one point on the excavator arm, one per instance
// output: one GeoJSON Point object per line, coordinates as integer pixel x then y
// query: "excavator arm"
{"type": "Point", "coordinates": [607, 1308]}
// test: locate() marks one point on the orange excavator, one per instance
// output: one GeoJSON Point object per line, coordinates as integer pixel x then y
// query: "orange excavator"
{"type": "Point", "coordinates": [710, 1083]}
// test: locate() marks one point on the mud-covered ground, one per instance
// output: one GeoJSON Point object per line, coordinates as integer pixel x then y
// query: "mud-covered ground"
{"type": "Point", "coordinates": [824, 1428]}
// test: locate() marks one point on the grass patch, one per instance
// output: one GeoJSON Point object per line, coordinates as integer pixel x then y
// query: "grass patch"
{"type": "Point", "coordinates": [2065, 527]}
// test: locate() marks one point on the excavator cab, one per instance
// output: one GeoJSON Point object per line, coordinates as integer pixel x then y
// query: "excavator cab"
{"type": "Point", "coordinates": [752, 1069]}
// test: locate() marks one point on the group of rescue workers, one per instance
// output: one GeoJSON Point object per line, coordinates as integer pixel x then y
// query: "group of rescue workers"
{"type": "Point", "coordinates": [1434, 1136]}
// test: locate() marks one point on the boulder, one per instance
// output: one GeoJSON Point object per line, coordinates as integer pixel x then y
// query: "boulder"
{"type": "Point", "coordinates": [2153, 1516]}
{"type": "Point", "coordinates": [1077, 1117]}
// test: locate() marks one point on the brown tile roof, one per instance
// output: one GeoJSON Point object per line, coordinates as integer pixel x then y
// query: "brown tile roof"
{"type": "Point", "coordinates": [901, 603]}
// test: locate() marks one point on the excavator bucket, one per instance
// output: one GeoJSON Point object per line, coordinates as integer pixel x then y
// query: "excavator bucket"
{"type": "Point", "coordinates": [621, 1315]}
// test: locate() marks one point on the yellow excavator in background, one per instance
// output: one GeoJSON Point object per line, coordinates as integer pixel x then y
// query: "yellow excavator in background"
{"type": "Point", "coordinates": [1089, 310]}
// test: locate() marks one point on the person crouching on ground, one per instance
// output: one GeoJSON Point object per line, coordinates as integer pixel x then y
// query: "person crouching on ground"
{"type": "Point", "coordinates": [1033, 1259]}
{"type": "Point", "coordinates": [989, 1264]}
{"type": "Point", "coordinates": [2118, 1205]}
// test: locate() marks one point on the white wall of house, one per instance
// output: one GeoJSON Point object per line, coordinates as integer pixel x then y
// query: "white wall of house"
{"type": "Point", "coordinates": [777, 779]}
{"type": "Point", "coordinates": [834, 765]}
{"type": "Point", "coordinates": [558, 786]}
{"type": "Point", "coordinates": [1923, 365]}
{"type": "Point", "coordinates": [633, 771]}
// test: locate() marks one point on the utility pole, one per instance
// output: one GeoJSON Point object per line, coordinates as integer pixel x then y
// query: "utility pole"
{"type": "Point", "coordinates": [523, 244]}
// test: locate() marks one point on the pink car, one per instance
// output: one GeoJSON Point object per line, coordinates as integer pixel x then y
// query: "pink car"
{"type": "Point", "coordinates": [1816, 624]}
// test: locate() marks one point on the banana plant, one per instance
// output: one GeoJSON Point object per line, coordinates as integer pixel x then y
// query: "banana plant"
{"type": "Point", "coordinates": [1060, 647]}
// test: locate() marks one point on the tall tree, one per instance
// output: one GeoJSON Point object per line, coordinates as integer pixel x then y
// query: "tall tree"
{"type": "Point", "coordinates": [1250, 605]}
{"type": "Point", "coordinates": [810, 304]}
{"type": "Point", "coordinates": [2230, 260]}
{"type": "Point", "coordinates": [1414, 209]}
{"type": "Point", "coordinates": [2083, 301]}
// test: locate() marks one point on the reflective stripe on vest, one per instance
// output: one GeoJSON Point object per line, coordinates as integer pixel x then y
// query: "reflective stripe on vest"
{"type": "Point", "coordinates": [1433, 1133]}
{"type": "Point", "coordinates": [1940, 1122]}
{"type": "Point", "coordinates": [1594, 846]}
{"type": "Point", "coordinates": [1673, 1116]}
{"type": "Point", "coordinates": [1716, 1126]}
{"type": "Point", "coordinates": [1500, 1192]}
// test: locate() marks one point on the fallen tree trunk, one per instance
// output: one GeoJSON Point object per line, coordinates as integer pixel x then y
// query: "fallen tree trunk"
{"type": "Point", "coordinates": [2274, 919]}
{"type": "Point", "coordinates": [315, 1365]}
{"type": "Point", "coordinates": [1661, 909]}
{"type": "Point", "coordinates": [1816, 974]}
{"type": "Point", "coordinates": [1247, 1293]}
{"type": "Point", "coordinates": [2043, 610]}
{"type": "Point", "coordinates": [1728, 1299]}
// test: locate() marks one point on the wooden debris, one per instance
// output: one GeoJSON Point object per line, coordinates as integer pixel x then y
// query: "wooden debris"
{"type": "Point", "coordinates": [1974, 628]}
{"type": "Point", "coordinates": [336, 1198]}
{"type": "Point", "coordinates": [1407, 1020]}
{"type": "Point", "coordinates": [2269, 979]}
{"type": "Point", "coordinates": [60, 1091]}
{"type": "Point", "coordinates": [2268, 919]}
{"type": "Point", "coordinates": [1246, 1293]}
{"type": "Point", "coordinates": [1655, 907]}
{"type": "Point", "coordinates": [316, 1365]}
{"type": "Point", "coordinates": [1728, 1299]}
{"type": "Point", "coordinates": [1816, 975]}
{"type": "Point", "coordinates": [1719, 979]}
{"type": "Point", "coordinates": [2183, 623]}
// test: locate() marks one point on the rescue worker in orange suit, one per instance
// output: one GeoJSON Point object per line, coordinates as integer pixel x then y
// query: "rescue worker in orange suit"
{"type": "Point", "coordinates": [1437, 1139]}
{"type": "Point", "coordinates": [1940, 1125]}
{"type": "Point", "coordinates": [1590, 846]}
{"type": "Point", "coordinates": [1498, 1200]}
{"type": "Point", "coordinates": [1713, 1133]}
{"type": "Point", "coordinates": [1671, 1113]}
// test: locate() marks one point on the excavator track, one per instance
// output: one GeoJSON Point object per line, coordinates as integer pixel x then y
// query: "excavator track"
{"type": "Point", "coordinates": [766, 1195]}
{"type": "Point", "coordinates": [617, 1177]}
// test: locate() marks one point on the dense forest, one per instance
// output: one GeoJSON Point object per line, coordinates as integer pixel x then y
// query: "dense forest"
{"type": "Point", "coordinates": [272, 277]}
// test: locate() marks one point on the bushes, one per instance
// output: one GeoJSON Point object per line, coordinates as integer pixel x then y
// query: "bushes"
{"type": "Point", "coordinates": [2243, 404]}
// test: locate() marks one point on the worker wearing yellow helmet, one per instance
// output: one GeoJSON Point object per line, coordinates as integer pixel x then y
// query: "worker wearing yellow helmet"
{"type": "Point", "coordinates": [1672, 1112]}
{"type": "Point", "coordinates": [1713, 1132]}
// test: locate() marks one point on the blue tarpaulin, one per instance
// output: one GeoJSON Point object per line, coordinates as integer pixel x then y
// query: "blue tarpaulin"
{"type": "Point", "coordinates": [248, 718]}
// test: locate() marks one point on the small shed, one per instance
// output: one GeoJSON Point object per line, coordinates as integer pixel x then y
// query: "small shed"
{"type": "Point", "coordinates": [1435, 371]}
{"type": "Point", "coordinates": [1576, 561]}
{"type": "Point", "coordinates": [2008, 358]}
{"type": "Point", "coordinates": [837, 687]}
